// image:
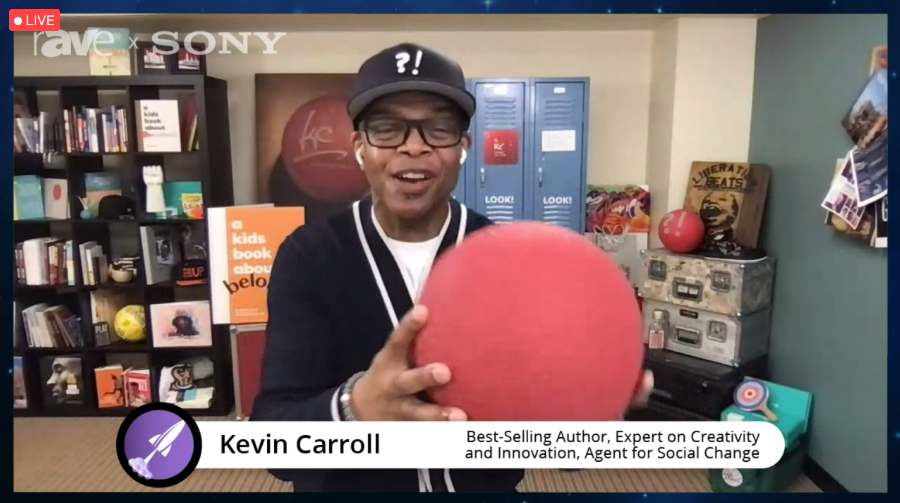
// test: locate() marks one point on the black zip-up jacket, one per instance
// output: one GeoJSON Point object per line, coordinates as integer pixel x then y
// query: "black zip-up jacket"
{"type": "Point", "coordinates": [327, 320]}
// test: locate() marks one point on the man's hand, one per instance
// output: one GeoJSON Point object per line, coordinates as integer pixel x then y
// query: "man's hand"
{"type": "Point", "coordinates": [387, 392]}
{"type": "Point", "coordinates": [644, 390]}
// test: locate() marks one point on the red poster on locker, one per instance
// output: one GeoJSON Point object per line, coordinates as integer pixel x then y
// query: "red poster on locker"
{"type": "Point", "coordinates": [501, 148]}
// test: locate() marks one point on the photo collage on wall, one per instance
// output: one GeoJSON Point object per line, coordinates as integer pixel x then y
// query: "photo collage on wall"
{"type": "Point", "coordinates": [856, 200]}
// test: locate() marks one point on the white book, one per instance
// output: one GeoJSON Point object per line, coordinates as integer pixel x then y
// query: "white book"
{"type": "Point", "coordinates": [92, 128]}
{"type": "Point", "coordinates": [36, 264]}
{"type": "Point", "coordinates": [83, 256]}
{"type": "Point", "coordinates": [46, 338]}
{"type": "Point", "coordinates": [158, 125]}
{"type": "Point", "coordinates": [70, 262]}
{"type": "Point", "coordinates": [33, 326]}
{"type": "Point", "coordinates": [56, 198]}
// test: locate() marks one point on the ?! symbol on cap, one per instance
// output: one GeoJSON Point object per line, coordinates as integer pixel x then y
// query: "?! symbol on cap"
{"type": "Point", "coordinates": [403, 58]}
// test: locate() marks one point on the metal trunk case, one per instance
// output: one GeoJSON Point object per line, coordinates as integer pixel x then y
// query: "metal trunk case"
{"type": "Point", "coordinates": [715, 337]}
{"type": "Point", "coordinates": [735, 288]}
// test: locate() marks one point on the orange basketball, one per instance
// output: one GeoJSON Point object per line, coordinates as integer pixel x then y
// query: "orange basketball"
{"type": "Point", "coordinates": [318, 154]}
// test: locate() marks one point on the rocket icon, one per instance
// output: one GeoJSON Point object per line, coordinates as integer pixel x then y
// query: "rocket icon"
{"type": "Point", "coordinates": [162, 444]}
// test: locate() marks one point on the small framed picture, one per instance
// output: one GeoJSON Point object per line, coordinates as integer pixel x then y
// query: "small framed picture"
{"type": "Point", "coordinates": [190, 61]}
{"type": "Point", "coordinates": [149, 61]}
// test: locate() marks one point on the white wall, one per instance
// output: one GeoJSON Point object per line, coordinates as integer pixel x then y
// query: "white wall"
{"type": "Point", "coordinates": [701, 96]}
{"type": "Point", "coordinates": [660, 98]}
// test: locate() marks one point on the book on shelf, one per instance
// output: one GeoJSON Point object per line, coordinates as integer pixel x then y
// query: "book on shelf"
{"type": "Point", "coordinates": [83, 129]}
{"type": "Point", "coordinates": [104, 305]}
{"type": "Point", "coordinates": [94, 264]}
{"type": "Point", "coordinates": [95, 130]}
{"type": "Point", "coordinates": [36, 198]}
{"type": "Point", "coordinates": [110, 391]}
{"type": "Point", "coordinates": [99, 185]}
{"type": "Point", "coordinates": [189, 383]}
{"type": "Point", "coordinates": [158, 128]}
{"type": "Point", "coordinates": [62, 380]}
{"type": "Point", "coordinates": [189, 125]}
{"type": "Point", "coordinates": [181, 324]}
{"type": "Point", "coordinates": [45, 261]}
{"type": "Point", "coordinates": [48, 326]}
{"type": "Point", "coordinates": [137, 387]}
{"type": "Point", "coordinates": [185, 197]}
{"type": "Point", "coordinates": [110, 52]}
{"type": "Point", "coordinates": [160, 245]}
{"type": "Point", "coordinates": [38, 135]}
{"type": "Point", "coordinates": [20, 392]}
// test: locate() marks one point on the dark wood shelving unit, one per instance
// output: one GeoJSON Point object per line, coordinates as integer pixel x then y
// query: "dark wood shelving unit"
{"type": "Point", "coordinates": [210, 165]}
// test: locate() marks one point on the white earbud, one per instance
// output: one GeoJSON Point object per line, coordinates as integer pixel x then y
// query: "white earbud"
{"type": "Point", "coordinates": [462, 157]}
{"type": "Point", "coordinates": [359, 156]}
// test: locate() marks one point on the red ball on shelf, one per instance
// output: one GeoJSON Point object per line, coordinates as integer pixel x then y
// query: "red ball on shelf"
{"type": "Point", "coordinates": [681, 231]}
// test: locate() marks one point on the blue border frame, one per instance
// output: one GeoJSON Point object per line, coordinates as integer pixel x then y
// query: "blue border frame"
{"type": "Point", "coordinates": [491, 7]}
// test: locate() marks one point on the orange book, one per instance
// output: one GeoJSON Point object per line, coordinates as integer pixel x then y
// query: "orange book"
{"type": "Point", "coordinates": [110, 391]}
{"type": "Point", "coordinates": [243, 241]}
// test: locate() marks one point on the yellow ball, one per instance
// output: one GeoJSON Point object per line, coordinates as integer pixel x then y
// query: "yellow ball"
{"type": "Point", "coordinates": [130, 324]}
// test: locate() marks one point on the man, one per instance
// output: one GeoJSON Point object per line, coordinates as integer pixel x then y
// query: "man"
{"type": "Point", "coordinates": [342, 291]}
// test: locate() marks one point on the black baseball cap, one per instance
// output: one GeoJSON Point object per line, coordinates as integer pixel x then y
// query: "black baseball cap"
{"type": "Point", "coordinates": [409, 67]}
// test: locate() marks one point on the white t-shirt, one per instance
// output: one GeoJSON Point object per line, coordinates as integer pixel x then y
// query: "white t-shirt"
{"type": "Point", "coordinates": [413, 259]}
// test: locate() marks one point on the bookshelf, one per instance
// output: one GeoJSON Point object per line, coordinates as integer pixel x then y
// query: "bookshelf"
{"type": "Point", "coordinates": [209, 164]}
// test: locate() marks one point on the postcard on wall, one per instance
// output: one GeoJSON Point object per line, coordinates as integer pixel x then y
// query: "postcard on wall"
{"type": "Point", "coordinates": [869, 114]}
{"type": "Point", "coordinates": [865, 231]}
{"type": "Point", "coordinates": [181, 324]}
{"type": "Point", "coordinates": [870, 170]}
{"type": "Point", "coordinates": [841, 197]}
{"type": "Point", "coordinates": [243, 241]}
{"type": "Point", "coordinates": [880, 238]}
{"type": "Point", "coordinates": [879, 59]}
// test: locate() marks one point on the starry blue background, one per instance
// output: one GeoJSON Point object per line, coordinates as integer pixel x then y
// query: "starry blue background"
{"type": "Point", "coordinates": [481, 7]}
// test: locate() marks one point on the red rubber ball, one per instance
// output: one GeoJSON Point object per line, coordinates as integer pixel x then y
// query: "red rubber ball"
{"type": "Point", "coordinates": [681, 231]}
{"type": "Point", "coordinates": [535, 324]}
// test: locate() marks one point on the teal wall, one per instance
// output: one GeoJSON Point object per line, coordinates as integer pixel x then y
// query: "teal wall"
{"type": "Point", "coordinates": [829, 323]}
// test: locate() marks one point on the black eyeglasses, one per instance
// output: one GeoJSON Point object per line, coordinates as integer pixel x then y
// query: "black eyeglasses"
{"type": "Point", "coordinates": [392, 133]}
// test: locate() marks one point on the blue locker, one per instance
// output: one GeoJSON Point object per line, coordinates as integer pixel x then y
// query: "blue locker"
{"type": "Point", "coordinates": [460, 192]}
{"type": "Point", "coordinates": [558, 164]}
{"type": "Point", "coordinates": [496, 176]}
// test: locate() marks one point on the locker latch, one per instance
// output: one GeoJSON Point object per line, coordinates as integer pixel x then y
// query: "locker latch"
{"type": "Point", "coordinates": [540, 177]}
{"type": "Point", "coordinates": [482, 177]}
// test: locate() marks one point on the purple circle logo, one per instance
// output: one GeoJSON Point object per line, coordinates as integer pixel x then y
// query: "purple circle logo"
{"type": "Point", "coordinates": [159, 445]}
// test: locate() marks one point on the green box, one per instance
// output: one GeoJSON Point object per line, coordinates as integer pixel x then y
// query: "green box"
{"type": "Point", "coordinates": [793, 408]}
{"type": "Point", "coordinates": [774, 479]}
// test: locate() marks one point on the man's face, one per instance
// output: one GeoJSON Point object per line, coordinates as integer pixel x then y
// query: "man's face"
{"type": "Point", "coordinates": [412, 177]}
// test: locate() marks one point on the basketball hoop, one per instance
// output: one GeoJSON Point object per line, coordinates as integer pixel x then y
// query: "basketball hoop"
{"type": "Point", "coordinates": [612, 237]}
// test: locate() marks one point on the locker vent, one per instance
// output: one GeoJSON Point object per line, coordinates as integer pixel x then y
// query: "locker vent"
{"type": "Point", "coordinates": [499, 213]}
{"type": "Point", "coordinates": [558, 214]}
{"type": "Point", "coordinates": [501, 113]}
{"type": "Point", "coordinates": [559, 113]}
